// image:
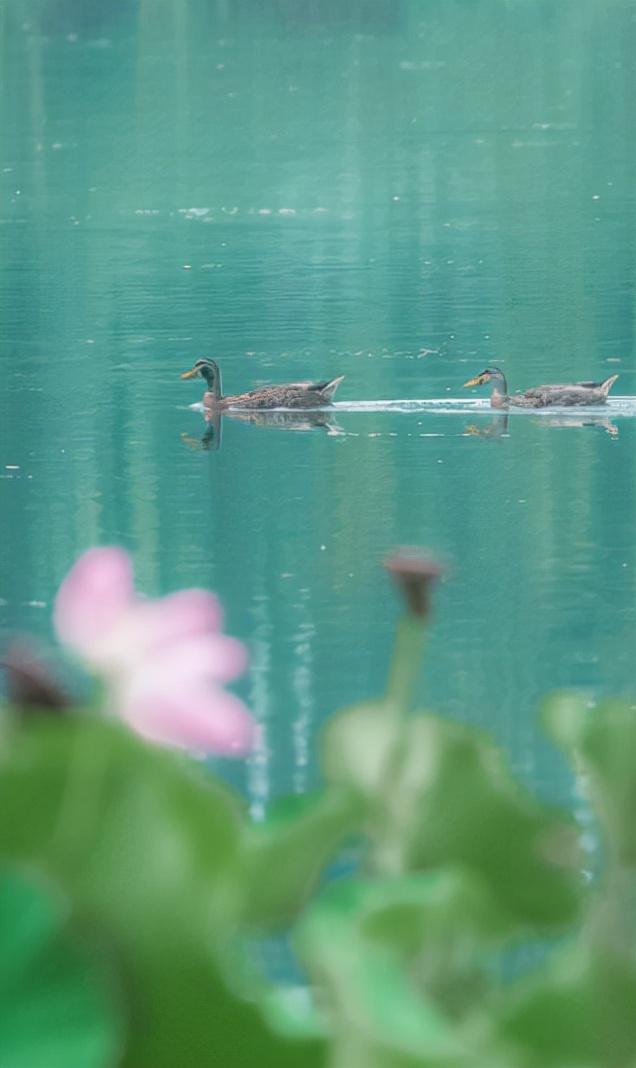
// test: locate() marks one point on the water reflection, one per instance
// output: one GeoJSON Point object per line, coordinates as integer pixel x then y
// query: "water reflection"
{"type": "Point", "coordinates": [210, 441]}
{"type": "Point", "coordinates": [498, 426]}
{"type": "Point", "coordinates": [302, 421]}
{"type": "Point", "coordinates": [601, 422]}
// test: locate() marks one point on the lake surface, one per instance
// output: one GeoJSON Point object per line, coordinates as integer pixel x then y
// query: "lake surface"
{"type": "Point", "coordinates": [395, 191]}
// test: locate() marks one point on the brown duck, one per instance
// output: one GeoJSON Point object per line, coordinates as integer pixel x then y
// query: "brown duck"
{"type": "Point", "coordinates": [577, 394]}
{"type": "Point", "coordinates": [286, 395]}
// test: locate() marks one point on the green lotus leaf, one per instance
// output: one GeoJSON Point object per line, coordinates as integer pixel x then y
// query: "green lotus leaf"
{"type": "Point", "coordinates": [145, 846]}
{"type": "Point", "coordinates": [282, 858]}
{"type": "Point", "coordinates": [578, 1011]}
{"type": "Point", "coordinates": [361, 940]}
{"type": "Point", "coordinates": [58, 1007]}
{"type": "Point", "coordinates": [357, 746]}
{"type": "Point", "coordinates": [601, 741]}
{"type": "Point", "coordinates": [438, 794]}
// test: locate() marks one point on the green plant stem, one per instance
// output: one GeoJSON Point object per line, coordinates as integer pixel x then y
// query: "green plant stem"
{"type": "Point", "coordinates": [405, 665]}
{"type": "Point", "coordinates": [400, 699]}
{"type": "Point", "coordinates": [612, 928]}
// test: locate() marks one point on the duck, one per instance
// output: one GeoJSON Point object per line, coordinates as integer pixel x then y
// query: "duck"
{"type": "Point", "coordinates": [286, 395]}
{"type": "Point", "coordinates": [577, 394]}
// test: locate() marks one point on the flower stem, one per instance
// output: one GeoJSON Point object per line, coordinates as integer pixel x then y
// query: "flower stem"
{"type": "Point", "coordinates": [405, 665]}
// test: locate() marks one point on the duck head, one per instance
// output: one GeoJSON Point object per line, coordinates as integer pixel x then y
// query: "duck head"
{"type": "Point", "coordinates": [209, 370]}
{"type": "Point", "coordinates": [487, 375]}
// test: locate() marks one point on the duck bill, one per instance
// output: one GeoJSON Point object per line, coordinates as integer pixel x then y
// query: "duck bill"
{"type": "Point", "coordinates": [190, 374]}
{"type": "Point", "coordinates": [478, 380]}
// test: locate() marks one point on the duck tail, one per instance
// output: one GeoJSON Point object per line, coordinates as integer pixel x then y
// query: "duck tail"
{"type": "Point", "coordinates": [607, 383]}
{"type": "Point", "coordinates": [330, 388]}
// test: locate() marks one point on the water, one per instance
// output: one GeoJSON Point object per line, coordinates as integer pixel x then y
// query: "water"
{"type": "Point", "coordinates": [399, 192]}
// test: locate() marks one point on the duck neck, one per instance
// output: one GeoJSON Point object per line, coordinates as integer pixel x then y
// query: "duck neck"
{"type": "Point", "coordinates": [212, 376]}
{"type": "Point", "coordinates": [499, 399]}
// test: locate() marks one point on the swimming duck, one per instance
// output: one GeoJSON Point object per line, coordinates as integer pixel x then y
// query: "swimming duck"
{"type": "Point", "coordinates": [579, 393]}
{"type": "Point", "coordinates": [287, 395]}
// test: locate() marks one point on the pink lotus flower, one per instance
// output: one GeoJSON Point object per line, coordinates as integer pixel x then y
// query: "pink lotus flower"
{"type": "Point", "coordinates": [164, 660]}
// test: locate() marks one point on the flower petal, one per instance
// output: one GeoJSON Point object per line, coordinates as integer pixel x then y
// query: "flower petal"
{"type": "Point", "coordinates": [178, 616]}
{"type": "Point", "coordinates": [95, 594]}
{"type": "Point", "coordinates": [208, 657]}
{"type": "Point", "coordinates": [200, 720]}
{"type": "Point", "coordinates": [156, 625]}
{"type": "Point", "coordinates": [159, 628]}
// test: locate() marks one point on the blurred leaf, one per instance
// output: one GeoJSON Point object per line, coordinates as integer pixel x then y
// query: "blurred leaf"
{"type": "Point", "coordinates": [579, 1012]}
{"type": "Point", "coordinates": [447, 925]}
{"type": "Point", "coordinates": [146, 847]}
{"type": "Point", "coordinates": [357, 941]}
{"type": "Point", "coordinates": [602, 741]}
{"type": "Point", "coordinates": [563, 715]}
{"type": "Point", "coordinates": [439, 795]}
{"type": "Point", "coordinates": [56, 1004]}
{"type": "Point", "coordinates": [458, 804]}
{"type": "Point", "coordinates": [357, 744]}
{"type": "Point", "coordinates": [282, 858]}
{"type": "Point", "coordinates": [291, 1011]}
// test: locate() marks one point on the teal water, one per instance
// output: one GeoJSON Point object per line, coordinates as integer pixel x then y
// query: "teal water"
{"type": "Point", "coordinates": [401, 192]}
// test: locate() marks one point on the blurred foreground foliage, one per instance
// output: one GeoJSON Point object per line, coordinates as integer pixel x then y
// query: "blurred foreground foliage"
{"type": "Point", "coordinates": [132, 885]}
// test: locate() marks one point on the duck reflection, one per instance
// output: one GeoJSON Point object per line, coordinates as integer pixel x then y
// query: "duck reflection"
{"type": "Point", "coordinates": [211, 440]}
{"type": "Point", "coordinates": [298, 420]}
{"type": "Point", "coordinates": [288, 420]}
{"type": "Point", "coordinates": [601, 422]}
{"type": "Point", "coordinates": [497, 427]}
